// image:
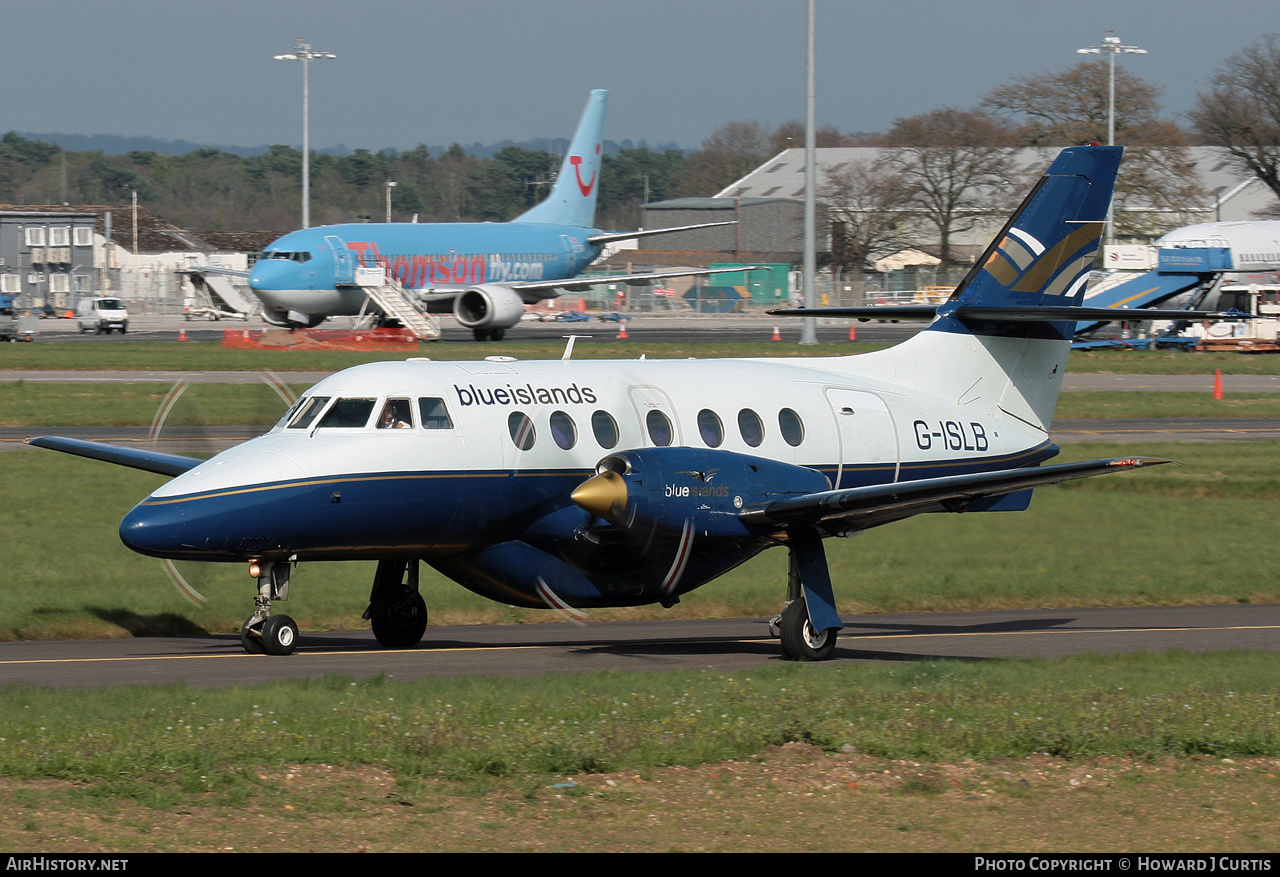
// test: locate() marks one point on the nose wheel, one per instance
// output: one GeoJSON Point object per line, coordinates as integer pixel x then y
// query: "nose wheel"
{"type": "Point", "coordinates": [263, 633]}
{"type": "Point", "coordinates": [275, 635]}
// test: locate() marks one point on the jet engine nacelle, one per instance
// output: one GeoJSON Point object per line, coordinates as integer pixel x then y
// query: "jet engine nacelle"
{"type": "Point", "coordinates": [488, 307]}
{"type": "Point", "coordinates": [669, 489]}
{"type": "Point", "coordinates": [291, 319]}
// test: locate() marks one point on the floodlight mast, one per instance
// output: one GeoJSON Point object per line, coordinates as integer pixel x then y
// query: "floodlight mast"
{"type": "Point", "coordinates": [809, 332]}
{"type": "Point", "coordinates": [1111, 46]}
{"type": "Point", "coordinates": [306, 55]}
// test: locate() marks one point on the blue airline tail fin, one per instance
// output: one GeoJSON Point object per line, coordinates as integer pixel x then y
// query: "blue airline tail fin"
{"type": "Point", "coordinates": [1043, 255]}
{"type": "Point", "coordinates": [573, 198]}
{"type": "Point", "coordinates": [999, 344]}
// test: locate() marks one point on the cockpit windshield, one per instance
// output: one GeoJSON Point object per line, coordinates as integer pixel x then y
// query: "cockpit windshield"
{"type": "Point", "coordinates": [289, 255]}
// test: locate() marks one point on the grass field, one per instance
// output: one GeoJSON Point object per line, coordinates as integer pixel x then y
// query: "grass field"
{"type": "Point", "coordinates": [1144, 752]}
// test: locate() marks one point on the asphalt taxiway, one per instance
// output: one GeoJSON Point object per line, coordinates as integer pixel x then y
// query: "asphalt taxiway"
{"type": "Point", "coordinates": [641, 646]}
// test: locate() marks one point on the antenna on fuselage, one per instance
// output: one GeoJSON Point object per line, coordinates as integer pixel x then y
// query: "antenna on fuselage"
{"type": "Point", "coordinates": [568, 348]}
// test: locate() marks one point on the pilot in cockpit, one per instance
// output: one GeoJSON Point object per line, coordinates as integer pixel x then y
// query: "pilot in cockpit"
{"type": "Point", "coordinates": [395, 415]}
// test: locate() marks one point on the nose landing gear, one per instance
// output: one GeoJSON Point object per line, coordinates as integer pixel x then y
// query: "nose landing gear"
{"type": "Point", "coordinates": [262, 632]}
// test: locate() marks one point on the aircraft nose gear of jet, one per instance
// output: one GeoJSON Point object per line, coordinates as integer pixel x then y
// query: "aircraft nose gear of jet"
{"type": "Point", "coordinates": [808, 625]}
{"type": "Point", "coordinates": [397, 613]}
{"type": "Point", "coordinates": [262, 632]}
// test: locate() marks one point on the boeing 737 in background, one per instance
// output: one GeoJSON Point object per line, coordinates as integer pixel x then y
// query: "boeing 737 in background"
{"type": "Point", "coordinates": [482, 272]}
{"type": "Point", "coordinates": [578, 484]}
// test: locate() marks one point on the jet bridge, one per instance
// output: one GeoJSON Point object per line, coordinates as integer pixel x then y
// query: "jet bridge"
{"type": "Point", "coordinates": [1178, 270]}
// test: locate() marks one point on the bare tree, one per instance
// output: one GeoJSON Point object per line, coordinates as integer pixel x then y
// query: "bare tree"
{"type": "Point", "coordinates": [1241, 112]}
{"type": "Point", "coordinates": [733, 150]}
{"type": "Point", "coordinates": [865, 205]}
{"type": "Point", "coordinates": [1071, 107]}
{"type": "Point", "coordinates": [956, 169]}
{"type": "Point", "coordinates": [1158, 178]}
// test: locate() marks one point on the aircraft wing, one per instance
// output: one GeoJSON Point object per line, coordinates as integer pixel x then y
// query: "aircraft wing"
{"type": "Point", "coordinates": [872, 506]}
{"type": "Point", "coordinates": [135, 458]}
{"type": "Point", "coordinates": [579, 284]}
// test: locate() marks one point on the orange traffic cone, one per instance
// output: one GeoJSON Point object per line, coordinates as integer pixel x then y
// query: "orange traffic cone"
{"type": "Point", "coordinates": [1217, 383]}
{"type": "Point", "coordinates": [853, 331]}
{"type": "Point", "coordinates": [622, 330]}
{"type": "Point", "coordinates": [777, 336]}
{"type": "Point", "coordinates": [182, 331]}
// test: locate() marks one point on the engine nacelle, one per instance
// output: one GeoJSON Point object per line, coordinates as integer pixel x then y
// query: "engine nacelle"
{"type": "Point", "coordinates": [291, 319]}
{"type": "Point", "coordinates": [488, 307]}
{"type": "Point", "coordinates": [669, 489]}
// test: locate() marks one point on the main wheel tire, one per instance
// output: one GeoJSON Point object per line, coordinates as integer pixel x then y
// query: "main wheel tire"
{"type": "Point", "coordinates": [399, 619]}
{"type": "Point", "coordinates": [251, 637]}
{"type": "Point", "coordinates": [279, 635]}
{"type": "Point", "coordinates": [800, 642]}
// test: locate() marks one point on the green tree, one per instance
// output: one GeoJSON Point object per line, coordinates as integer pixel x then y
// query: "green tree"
{"type": "Point", "coordinates": [631, 178]}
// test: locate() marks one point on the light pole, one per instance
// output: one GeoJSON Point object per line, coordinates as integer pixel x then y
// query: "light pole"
{"type": "Point", "coordinates": [305, 54]}
{"type": "Point", "coordinates": [809, 330]}
{"type": "Point", "coordinates": [1111, 46]}
{"type": "Point", "coordinates": [390, 184]}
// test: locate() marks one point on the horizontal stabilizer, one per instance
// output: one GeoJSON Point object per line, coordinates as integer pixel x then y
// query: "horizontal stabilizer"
{"type": "Point", "coordinates": [597, 240]}
{"type": "Point", "coordinates": [881, 503]}
{"type": "Point", "coordinates": [135, 458]}
{"type": "Point", "coordinates": [1010, 314]}
{"type": "Point", "coordinates": [578, 284]}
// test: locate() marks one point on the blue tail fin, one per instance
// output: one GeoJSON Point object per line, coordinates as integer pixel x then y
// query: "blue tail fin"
{"type": "Point", "coordinates": [999, 344]}
{"type": "Point", "coordinates": [573, 198]}
{"type": "Point", "coordinates": [1044, 253]}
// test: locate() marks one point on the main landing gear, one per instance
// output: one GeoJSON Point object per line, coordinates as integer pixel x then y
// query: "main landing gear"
{"type": "Point", "coordinates": [264, 633]}
{"type": "Point", "coordinates": [397, 612]}
{"type": "Point", "coordinates": [488, 334]}
{"type": "Point", "coordinates": [808, 625]}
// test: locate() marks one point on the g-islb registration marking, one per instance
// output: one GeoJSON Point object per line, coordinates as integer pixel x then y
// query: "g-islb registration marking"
{"type": "Point", "coordinates": [950, 435]}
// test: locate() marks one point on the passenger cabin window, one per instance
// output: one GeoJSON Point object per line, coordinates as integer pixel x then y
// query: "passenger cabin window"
{"type": "Point", "coordinates": [710, 428]}
{"type": "Point", "coordinates": [348, 414]}
{"type": "Point", "coordinates": [311, 409]}
{"type": "Point", "coordinates": [563, 430]}
{"type": "Point", "coordinates": [433, 413]}
{"type": "Point", "coordinates": [750, 427]}
{"type": "Point", "coordinates": [521, 429]}
{"type": "Point", "coordinates": [660, 432]}
{"type": "Point", "coordinates": [605, 429]}
{"type": "Point", "coordinates": [396, 414]}
{"type": "Point", "coordinates": [791, 427]}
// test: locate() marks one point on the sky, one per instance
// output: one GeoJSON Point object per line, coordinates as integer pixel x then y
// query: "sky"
{"type": "Point", "coordinates": [484, 71]}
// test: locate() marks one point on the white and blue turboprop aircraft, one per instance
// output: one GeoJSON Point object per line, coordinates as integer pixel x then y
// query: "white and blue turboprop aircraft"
{"type": "Point", "coordinates": [578, 484]}
{"type": "Point", "coordinates": [484, 273]}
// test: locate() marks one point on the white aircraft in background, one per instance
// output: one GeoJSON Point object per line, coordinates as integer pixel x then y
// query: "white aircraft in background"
{"type": "Point", "coordinates": [578, 484]}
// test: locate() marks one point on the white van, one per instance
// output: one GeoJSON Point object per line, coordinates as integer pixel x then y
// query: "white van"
{"type": "Point", "coordinates": [102, 314]}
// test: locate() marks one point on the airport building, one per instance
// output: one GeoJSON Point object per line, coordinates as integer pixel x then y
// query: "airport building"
{"type": "Point", "coordinates": [769, 205]}
{"type": "Point", "coordinates": [51, 256]}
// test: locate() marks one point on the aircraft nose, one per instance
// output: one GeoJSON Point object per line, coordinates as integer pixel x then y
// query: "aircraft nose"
{"type": "Point", "coordinates": [155, 530]}
{"type": "Point", "coordinates": [270, 274]}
